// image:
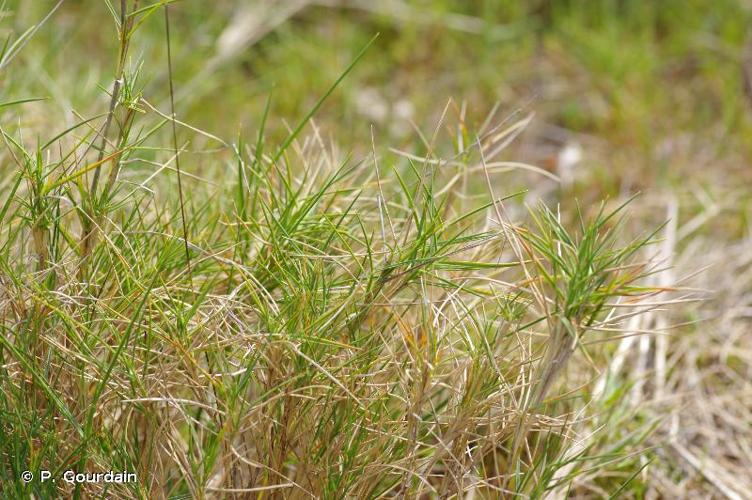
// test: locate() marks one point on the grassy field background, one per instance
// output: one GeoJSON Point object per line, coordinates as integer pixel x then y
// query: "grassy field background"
{"type": "Point", "coordinates": [385, 248]}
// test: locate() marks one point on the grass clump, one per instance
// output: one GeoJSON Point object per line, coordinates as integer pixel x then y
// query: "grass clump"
{"type": "Point", "coordinates": [295, 323]}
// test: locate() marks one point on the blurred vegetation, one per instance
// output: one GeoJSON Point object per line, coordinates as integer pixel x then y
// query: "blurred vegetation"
{"type": "Point", "coordinates": [635, 74]}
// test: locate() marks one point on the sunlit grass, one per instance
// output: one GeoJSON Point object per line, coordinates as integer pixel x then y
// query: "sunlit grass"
{"type": "Point", "coordinates": [337, 309]}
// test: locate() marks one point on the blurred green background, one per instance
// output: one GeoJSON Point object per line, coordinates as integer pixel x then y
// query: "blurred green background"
{"type": "Point", "coordinates": [651, 92]}
{"type": "Point", "coordinates": [628, 69]}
